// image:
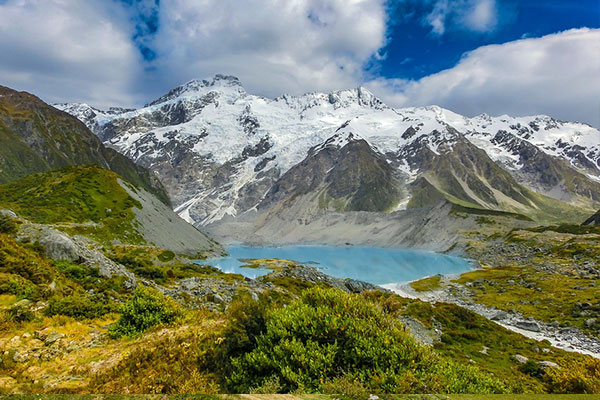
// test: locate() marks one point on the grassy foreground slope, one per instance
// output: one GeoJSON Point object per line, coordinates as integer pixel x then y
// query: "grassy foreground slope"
{"type": "Point", "coordinates": [549, 273]}
{"type": "Point", "coordinates": [64, 329]}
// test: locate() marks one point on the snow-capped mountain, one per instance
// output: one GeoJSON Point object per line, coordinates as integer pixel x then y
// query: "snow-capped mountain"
{"type": "Point", "coordinates": [221, 151]}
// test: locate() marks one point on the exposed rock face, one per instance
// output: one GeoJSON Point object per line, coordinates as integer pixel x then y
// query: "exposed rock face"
{"type": "Point", "coordinates": [60, 246]}
{"type": "Point", "coordinates": [223, 153]}
{"type": "Point", "coordinates": [312, 275]}
{"type": "Point", "coordinates": [349, 176]}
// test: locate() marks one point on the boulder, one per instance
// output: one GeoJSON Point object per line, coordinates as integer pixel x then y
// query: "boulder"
{"type": "Point", "coordinates": [53, 337]}
{"type": "Point", "coordinates": [532, 326]}
{"type": "Point", "coordinates": [591, 322]}
{"type": "Point", "coordinates": [548, 364]}
{"type": "Point", "coordinates": [520, 358]}
{"type": "Point", "coordinates": [499, 316]}
{"type": "Point", "coordinates": [58, 246]}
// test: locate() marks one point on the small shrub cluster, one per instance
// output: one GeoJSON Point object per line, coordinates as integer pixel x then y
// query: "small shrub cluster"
{"type": "Point", "coordinates": [80, 307]}
{"type": "Point", "coordinates": [146, 308]}
{"type": "Point", "coordinates": [19, 286]}
{"type": "Point", "coordinates": [575, 377]}
{"type": "Point", "coordinates": [166, 256]}
{"type": "Point", "coordinates": [18, 314]}
{"type": "Point", "coordinates": [7, 225]}
{"type": "Point", "coordinates": [77, 272]}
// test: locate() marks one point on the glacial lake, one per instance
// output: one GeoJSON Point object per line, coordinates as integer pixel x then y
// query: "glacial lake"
{"type": "Point", "coordinates": [370, 264]}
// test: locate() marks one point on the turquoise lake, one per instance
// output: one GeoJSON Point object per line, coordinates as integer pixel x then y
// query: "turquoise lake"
{"type": "Point", "coordinates": [370, 264]}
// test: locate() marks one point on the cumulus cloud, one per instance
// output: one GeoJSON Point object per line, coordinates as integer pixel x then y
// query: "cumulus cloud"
{"type": "Point", "coordinates": [68, 49]}
{"type": "Point", "coordinates": [285, 46]}
{"type": "Point", "coordinates": [557, 74]}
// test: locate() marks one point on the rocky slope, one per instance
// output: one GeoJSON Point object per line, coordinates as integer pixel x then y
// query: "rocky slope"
{"type": "Point", "coordinates": [223, 153]}
{"type": "Point", "coordinates": [35, 137]}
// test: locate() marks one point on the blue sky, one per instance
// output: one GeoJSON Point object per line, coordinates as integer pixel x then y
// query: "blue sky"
{"type": "Point", "coordinates": [414, 51]}
{"type": "Point", "coordinates": [472, 56]}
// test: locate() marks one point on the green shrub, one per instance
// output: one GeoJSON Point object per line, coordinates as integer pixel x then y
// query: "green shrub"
{"type": "Point", "coordinates": [245, 323]}
{"type": "Point", "coordinates": [19, 286]}
{"type": "Point", "coordinates": [78, 272]}
{"type": "Point", "coordinates": [166, 255]}
{"type": "Point", "coordinates": [574, 377]}
{"type": "Point", "coordinates": [19, 314]}
{"type": "Point", "coordinates": [531, 368]}
{"type": "Point", "coordinates": [7, 225]}
{"type": "Point", "coordinates": [328, 334]}
{"type": "Point", "coordinates": [146, 308]}
{"type": "Point", "coordinates": [80, 306]}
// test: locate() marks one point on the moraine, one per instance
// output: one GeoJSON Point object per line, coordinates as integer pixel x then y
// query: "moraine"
{"type": "Point", "coordinates": [375, 265]}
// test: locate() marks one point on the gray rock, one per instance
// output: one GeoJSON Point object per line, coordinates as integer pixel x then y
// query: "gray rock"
{"type": "Point", "coordinates": [8, 213]}
{"type": "Point", "coordinates": [53, 337]}
{"type": "Point", "coordinates": [58, 246]}
{"type": "Point", "coordinates": [218, 299]}
{"type": "Point", "coordinates": [520, 358]}
{"type": "Point", "coordinates": [528, 326]}
{"type": "Point", "coordinates": [591, 322]}
{"type": "Point", "coordinates": [499, 316]}
{"type": "Point", "coordinates": [355, 286]}
{"type": "Point", "coordinates": [548, 364]}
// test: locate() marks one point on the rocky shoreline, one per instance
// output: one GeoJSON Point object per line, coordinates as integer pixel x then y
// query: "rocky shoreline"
{"type": "Point", "coordinates": [565, 338]}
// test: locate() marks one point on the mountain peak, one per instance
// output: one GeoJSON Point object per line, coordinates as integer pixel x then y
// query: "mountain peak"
{"type": "Point", "coordinates": [201, 87]}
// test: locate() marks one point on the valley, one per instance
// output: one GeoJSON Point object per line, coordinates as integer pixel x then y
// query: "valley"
{"type": "Point", "coordinates": [105, 288]}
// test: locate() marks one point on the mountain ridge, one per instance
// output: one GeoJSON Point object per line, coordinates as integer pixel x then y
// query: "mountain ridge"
{"type": "Point", "coordinates": [35, 137]}
{"type": "Point", "coordinates": [219, 150]}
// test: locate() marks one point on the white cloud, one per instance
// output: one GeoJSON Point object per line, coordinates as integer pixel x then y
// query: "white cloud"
{"type": "Point", "coordinates": [471, 15]}
{"type": "Point", "coordinates": [68, 49]}
{"type": "Point", "coordinates": [557, 74]}
{"type": "Point", "coordinates": [285, 46]}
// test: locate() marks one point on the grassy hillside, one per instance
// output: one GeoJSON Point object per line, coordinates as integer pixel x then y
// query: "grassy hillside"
{"type": "Point", "coordinates": [66, 329]}
{"type": "Point", "coordinates": [85, 195]}
{"type": "Point", "coordinates": [35, 137]}
{"type": "Point", "coordinates": [94, 202]}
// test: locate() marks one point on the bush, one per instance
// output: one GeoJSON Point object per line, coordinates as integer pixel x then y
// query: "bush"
{"type": "Point", "coordinates": [77, 272]}
{"type": "Point", "coordinates": [328, 334]}
{"type": "Point", "coordinates": [245, 323]}
{"type": "Point", "coordinates": [576, 377]}
{"type": "Point", "coordinates": [146, 308]}
{"type": "Point", "coordinates": [7, 225]}
{"type": "Point", "coordinates": [19, 286]}
{"type": "Point", "coordinates": [80, 306]}
{"type": "Point", "coordinates": [166, 255]}
{"type": "Point", "coordinates": [19, 314]}
{"type": "Point", "coordinates": [531, 368]}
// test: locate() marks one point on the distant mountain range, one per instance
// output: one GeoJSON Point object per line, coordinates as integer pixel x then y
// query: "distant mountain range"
{"type": "Point", "coordinates": [227, 156]}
